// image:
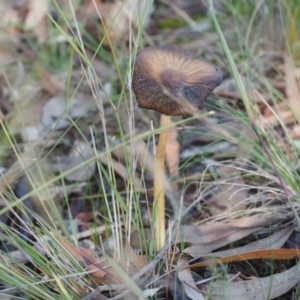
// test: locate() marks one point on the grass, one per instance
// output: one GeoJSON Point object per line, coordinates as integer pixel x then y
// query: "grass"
{"type": "Point", "coordinates": [46, 259]}
{"type": "Point", "coordinates": [278, 170]}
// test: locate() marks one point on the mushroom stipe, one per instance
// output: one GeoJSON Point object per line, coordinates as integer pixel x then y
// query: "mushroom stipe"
{"type": "Point", "coordinates": [173, 82]}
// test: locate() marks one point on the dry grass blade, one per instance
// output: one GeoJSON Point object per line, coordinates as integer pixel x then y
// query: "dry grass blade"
{"type": "Point", "coordinates": [77, 161]}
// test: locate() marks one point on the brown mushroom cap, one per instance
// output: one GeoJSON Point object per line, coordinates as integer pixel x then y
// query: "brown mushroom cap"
{"type": "Point", "coordinates": [172, 81]}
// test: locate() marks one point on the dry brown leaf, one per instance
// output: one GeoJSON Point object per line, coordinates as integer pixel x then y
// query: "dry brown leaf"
{"type": "Point", "coordinates": [188, 282]}
{"type": "Point", "coordinates": [229, 192]}
{"type": "Point", "coordinates": [10, 16]}
{"type": "Point", "coordinates": [172, 151]}
{"type": "Point", "coordinates": [137, 261]}
{"type": "Point", "coordinates": [76, 160]}
{"type": "Point", "coordinates": [131, 264]}
{"type": "Point", "coordinates": [212, 232]}
{"type": "Point", "coordinates": [201, 249]}
{"type": "Point", "coordinates": [120, 15]}
{"type": "Point", "coordinates": [274, 241]}
{"type": "Point", "coordinates": [208, 237]}
{"type": "Point", "coordinates": [36, 12]}
{"type": "Point", "coordinates": [96, 271]}
{"type": "Point", "coordinates": [50, 84]}
{"type": "Point", "coordinates": [35, 19]}
{"type": "Point", "coordinates": [58, 111]}
{"type": "Point", "coordinates": [258, 288]}
{"type": "Point", "coordinates": [87, 256]}
{"type": "Point", "coordinates": [285, 112]}
{"type": "Point", "coordinates": [291, 87]}
{"type": "Point", "coordinates": [228, 88]}
{"type": "Point", "coordinates": [271, 254]}
{"type": "Point", "coordinates": [28, 111]}
{"type": "Point", "coordinates": [77, 252]}
{"type": "Point", "coordinates": [8, 49]}
{"type": "Point", "coordinates": [272, 118]}
{"type": "Point", "coordinates": [237, 133]}
{"type": "Point", "coordinates": [135, 237]}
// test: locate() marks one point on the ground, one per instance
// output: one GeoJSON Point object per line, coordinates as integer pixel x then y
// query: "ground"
{"type": "Point", "coordinates": [80, 185]}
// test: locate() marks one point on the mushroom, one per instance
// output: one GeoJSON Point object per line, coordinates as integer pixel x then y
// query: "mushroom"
{"type": "Point", "coordinates": [173, 82]}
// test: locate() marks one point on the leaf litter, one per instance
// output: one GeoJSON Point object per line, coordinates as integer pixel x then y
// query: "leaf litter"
{"type": "Point", "coordinates": [258, 288]}
{"type": "Point", "coordinates": [239, 212]}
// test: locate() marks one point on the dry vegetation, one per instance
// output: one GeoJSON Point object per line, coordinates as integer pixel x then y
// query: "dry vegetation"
{"type": "Point", "coordinates": [77, 153]}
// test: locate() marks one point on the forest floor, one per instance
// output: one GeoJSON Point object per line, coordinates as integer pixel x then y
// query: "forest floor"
{"type": "Point", "coordinates": [77, 154]}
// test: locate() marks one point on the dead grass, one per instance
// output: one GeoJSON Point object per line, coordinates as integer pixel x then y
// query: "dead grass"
{"type": "Point", "coordinates": [77, 160]}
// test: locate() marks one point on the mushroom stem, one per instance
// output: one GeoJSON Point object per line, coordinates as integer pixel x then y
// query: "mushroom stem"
{"type": "Point", "coordinates": [159, 182]}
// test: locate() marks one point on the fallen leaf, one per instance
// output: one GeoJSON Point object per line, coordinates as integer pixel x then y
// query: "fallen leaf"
{"type": "Point", "coordinates": [86, 256]}
{"type": "Point", "coordinates": [229, 190]}
{"type": "Point", "coordinates": [119, 16]}
{"type": "Point", "coordinates": [131, 264]}
{"type": "Point", "coordinates": [272, 117]}
{"type": "Point", "coordinates": [58, 111]}
{"type": "Point", "coordinates": [28, 106]}
{"type": "Point", "coordinates": [122, 171]}
{"type": "Point", "coordinates": [135, 237]}
{"type": "Point", "coordinates": [258, 288]}
{"type": "Point", "coordinates": [36, 12]}
{"type": "Point", "coordinates": [284, 113]}
{"type": "Point", "coordinates": [237, 133]}
{"type": "Point", "coordinates": [149, 293]}
{"type": "Point", "coordinates": [138, 261]}
{"type": "Point", "coordinates": [49, 82]}
{"type": "Point", "coordinates": [292, 87]}
{"type": "Point", "coordinates": [76, 160]}
{"type": "Point", "coordinates": [188, 282]}
{"type": "Point", "coordinates": [274, 241]}
{"type": "Point", "coordinates": [10, 17]}
{"type": "Point", "coordinates": [228, 89]}
{"type": "Point", "coordinates": [8, 49]}
{"type": "Point", "coordinates": [175, 288]}
{"type": "Point", "coordinates": [207, 237]}
{"type": "Point", "coordinates": [272, 254]}
{"type": "Point", "coordinates": [35, 19]}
